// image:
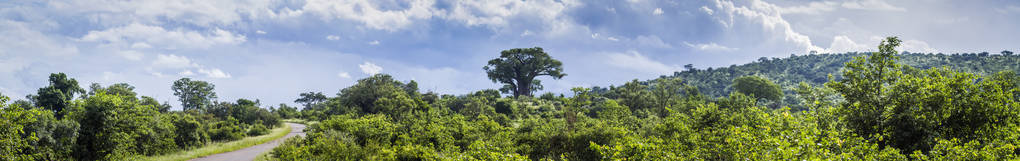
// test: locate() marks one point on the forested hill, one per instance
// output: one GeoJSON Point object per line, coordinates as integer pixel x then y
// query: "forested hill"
{"type": "Point", "coordinates": [815, 68]}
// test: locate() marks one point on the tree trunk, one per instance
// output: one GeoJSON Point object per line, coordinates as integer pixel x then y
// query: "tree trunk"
{"type": "Point", "coordinates": [523, 88]}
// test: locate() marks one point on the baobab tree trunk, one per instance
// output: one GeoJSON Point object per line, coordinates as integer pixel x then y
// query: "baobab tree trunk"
{"type": "Point", "coordinates": [523, 88]}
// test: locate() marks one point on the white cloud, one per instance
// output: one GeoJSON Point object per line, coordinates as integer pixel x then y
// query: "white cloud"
{"type": "Point", "coordinates": [374, 42]}
{"type": "Point", "coordinates": [917, 46]}
{"type": "Point", "coordinates": [343, 75]}
{"type": "Point", "coordinates": [872, 5]}
{"type": "Point", "coordinates": [214, 73]}
{"type": "Point", "coordinates": [769, 17]}
{"type": "Point", "coordinates": [828, 6]}
{"type": "Point", "coordinates": [186, 73]}
{"type": "Point", "coordinates": [710, 47]}
{"type": "Point", "coordinates": [18, 37]}
{"type": "Point", "coordinates": [173, 61]}
{"type": "Point", "coordinates": [842, 44]}
{"type": "Point", "coordinates": [260, 32]}
{"type": "Point", "coordinates": [130, 54]}
{"type": "Point", "coordinates": [140, 45]}
{"type": "Point", "coordinates": [198, 12]}
{"type": "Point", "coordinates": [652, 41]}
{"type": "Point", "coordinates": [526, 33]}
{"type": "Point", "coordinates": [810, 8]}
{"type": "Point", "coordinates": [657, 11]}
{"type": "Point", "coordinates": [167, 39]}
{"type": "Point", "coordinates": [612, 38]}
{"type": "Point", "coordinates": [370, 69]}
{"type": "Point", "coordinates": [706, 10]}
{"type": "Point", "coordinates": [633, 60]}
{"type": "Point", "coordinates": [333, 37]}
{"type": "Point", "coordinates": [371, 14]}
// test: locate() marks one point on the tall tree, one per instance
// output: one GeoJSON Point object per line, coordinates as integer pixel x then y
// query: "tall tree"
{"type": "Point", "coordinates": [194, 94]}
{"type": "Point", "coordinates": [758, 87]}
{"type": "Point", "coordinates": [864, 85]}
{"type": "Point", "coordinates": [311, 98]}
{"type": "Point", "coordinates": [517, 69]}
{"type": "Point", "coordinates": [58, 95]}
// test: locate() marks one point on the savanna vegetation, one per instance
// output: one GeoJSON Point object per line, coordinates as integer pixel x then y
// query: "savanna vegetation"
{"type": "Point", "coordinates": [881, 105]}
{"type": "Point", "coordinates": [65, 122]}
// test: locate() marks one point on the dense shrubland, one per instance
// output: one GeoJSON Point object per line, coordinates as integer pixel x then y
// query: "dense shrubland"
{"type": "Point", "coordinates": [63, 122]}
{"type": "Point", "coordinates": [876, 106]}
{"type": "Point", "coordinates": [881, 105]}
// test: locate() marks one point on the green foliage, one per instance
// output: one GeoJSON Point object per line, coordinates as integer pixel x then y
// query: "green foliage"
{"type": "Point", "coordinates": [258, 129]}
{"type": "Point", "coordinates": [114, 123]}
{"type": "Point", "coordinates": [517, 68]}
{"type": "Point", "coordinates": [113, 128]}
{"type": "Point", "coordinates": [363, 95]}
{"type": "Point", "coordinates": [287, 112]}
{"type": "Point", "coordinates": [876, 109]}
{"type": "Point", "coordinates": [190, 132]}
{"type": "Point", "coordinates": [58, 95]}
{"type": "Point", "coordinates": [226, 130]}
{"type": "Point", "coordinates": [194, 94]}
{"type": "Point", "coordinates": [758, 87]}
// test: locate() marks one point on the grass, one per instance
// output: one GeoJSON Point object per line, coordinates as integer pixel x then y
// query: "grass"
{"type": "Point", "coordinates": [220, 147]}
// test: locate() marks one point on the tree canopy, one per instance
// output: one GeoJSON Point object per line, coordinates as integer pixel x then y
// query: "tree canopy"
{"type": "Point", "coordinates": [194, 94]}
{"type": "Point", "coordinates": [517, 68]}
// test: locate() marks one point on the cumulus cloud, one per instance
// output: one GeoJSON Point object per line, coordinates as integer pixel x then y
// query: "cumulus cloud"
{"type": "Point", "coordinates": [173, 61]}
{"type": "Point", "coordinates": [768, 15]}
{"type": "Point", "coordinates": [657, 11]}
{"type": "Point", "coordinates": [810, 8]}
{"type": "Point", "coordinates": [186, 73]}
{"type": "Point", "coordinates": [872, 5]}
{"type": "Point", "coordinates": [197, 12]}
{"type": "Point", "coordinates": [333, 37]}
{"type": "Point", "coordinates": [374, 42]}
{"type": "Point", "coordinates": [707, 10]}
{"type": "Point", "coordinates": [166, 62]}
{"type": "Point", "coordinates": [214, 73]}
{"type": "Point", "coordinates": [917, 46]}
{"type": "Point", "coordinates": [710, 47]}
{"type": "Point", "coordinates": [633, 60]}
{"type": "Point", "coordinates": [166, 39]}
{"type": "Point", "coordinates": [842, 44]}
{"type": "Point", "coordinates": [369, 68]}
{"type": "Point", "coordinates": [343, 75]}
{"type": "Point", "coordinates": [371, 14]}
{"type": "Point", "coordinates": [827, 6]}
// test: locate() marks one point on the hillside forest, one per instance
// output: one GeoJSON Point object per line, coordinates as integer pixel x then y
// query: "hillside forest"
{"type": "Point", "coordinates": [883, 105]}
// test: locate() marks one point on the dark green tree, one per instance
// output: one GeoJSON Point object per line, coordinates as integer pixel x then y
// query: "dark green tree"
{"type": "Point", "coordinates": [517, 69]}
{"type": "Point", "coordinates": [58, 95]}
{"type": "Point", "coordinates": [194, 94]}
{"type": "Point", "coordinates": [758, 87]}
{"type": "Point", "coordinates": [864, 85]}
{"type": "Point", "coordinates": [311, 98]}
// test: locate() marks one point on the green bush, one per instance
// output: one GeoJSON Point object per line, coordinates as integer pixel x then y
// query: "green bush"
{"type": "Point", "coordinates": [226, 130]}
{"type": "Point", "coordinates": [258, 129]}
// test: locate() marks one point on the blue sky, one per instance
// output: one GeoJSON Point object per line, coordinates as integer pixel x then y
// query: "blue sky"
{"type": "Point", "coordinates": [274, 49]}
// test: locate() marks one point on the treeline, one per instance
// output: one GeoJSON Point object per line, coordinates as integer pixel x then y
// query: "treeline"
{"type": "Point", "coordinates": [815, 69]}
{"type": "Point", "coordinates": [879, 109]}
{"type": "Point", "coordinates": [65, 122]}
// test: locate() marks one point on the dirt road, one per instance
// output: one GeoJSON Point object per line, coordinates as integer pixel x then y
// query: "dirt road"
{"type": "Point", "coordinates": [250, 153]}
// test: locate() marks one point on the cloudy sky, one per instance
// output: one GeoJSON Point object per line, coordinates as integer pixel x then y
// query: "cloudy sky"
{"type": "Point", "coordinates": [274, 49]}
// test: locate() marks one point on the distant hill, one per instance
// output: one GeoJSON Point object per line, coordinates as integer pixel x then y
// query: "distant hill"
{"type": "Point", "coordinates": [815, 68]}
